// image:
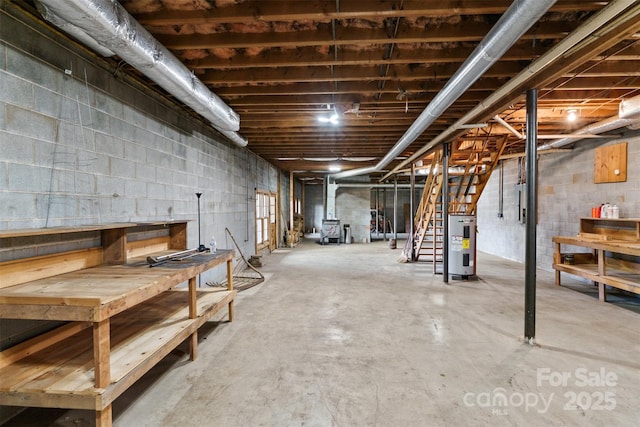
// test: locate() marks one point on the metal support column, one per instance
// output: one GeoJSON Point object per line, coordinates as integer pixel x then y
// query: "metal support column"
{"type": "Point", "coordinates": [292, 201]}
{"type": "Point", "coordinates": [413, 214]}
{"type": "Point", "coordinates": [530, 250]}
{"type": "Point", "coordinates": [377, 211]}
{"type": "Point", "coordinates": [384, 214]}
{"type": "Point", "coordinates": [445, 213]}
{"type": "Point", "coordinates": [395, 207]}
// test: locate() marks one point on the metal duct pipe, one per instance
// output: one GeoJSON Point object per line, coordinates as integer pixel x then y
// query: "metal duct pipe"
{"type": "Point", "coordinates": [109, 25]}
{"type": "Point", "coordinates": [596, 128]}
{"type": "Point", "coordinates": [235, 137]}
{"type": "Point", "coordinates": [585, 31]}
{"type": "Point", "coordinates": [516, 20]}
{"type": "Point", "coordinates": [372, 186]}
{"type": "Point", "coordinates": [629, 108]}
{"type": "Point", "coordinates": [74, 31]}
{"type": "Point", "coordinates": [507, 126]}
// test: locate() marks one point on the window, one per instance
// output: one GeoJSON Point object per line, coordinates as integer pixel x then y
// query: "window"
{"type": "Point", "coordinates": [265, 216]}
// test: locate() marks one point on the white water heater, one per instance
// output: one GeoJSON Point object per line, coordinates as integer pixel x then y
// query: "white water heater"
{"type": "Point", "coordinates": [462, 245]}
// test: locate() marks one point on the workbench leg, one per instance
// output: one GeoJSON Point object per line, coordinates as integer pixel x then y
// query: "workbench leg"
{"type": "Point", "coordinates": [230, 286]}
{"type": "Point", "coordinates": [193, 313]}
{"type": "Point", "coordinates": [193, 346]}
{"type": "Point", "coordinates": [103, 418]}
{"type": "Point", "coordinates": [102, 353]}
{"type": "Point", "coordinates": [231, 311]}
{"type": "Point", "coordinates": [193, 299]}
{"type": "Point", "coordinates": [557, 259]}
{"type": "Point", "coordinates": [602, 292]}
{"type": "Point", "coordinates": [602, 271]}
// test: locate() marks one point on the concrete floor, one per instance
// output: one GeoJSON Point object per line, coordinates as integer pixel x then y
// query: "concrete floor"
{"type": "Point", "coordinates": [347, 336]}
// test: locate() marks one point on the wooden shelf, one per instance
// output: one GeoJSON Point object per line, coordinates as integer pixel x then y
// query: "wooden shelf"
{"type": "Point", "coordinates": [627, 229]}
{"type": "Point", "coordinates": [604, 270]}
{"type": "Point", "coordinates": [124, 316]}
{"type": "Point", "coordinates": [26, 232]}
{"type": "Point", "coordinates": [615, 277]}
{"type": "Point", "coordinates": [97, 293]}
{"type": "Point", "coordinates": [117, 245]}
{"type": "Point", "coordinates": [62, 374]}
{"type": "Point", "coordinates": [622, 247]}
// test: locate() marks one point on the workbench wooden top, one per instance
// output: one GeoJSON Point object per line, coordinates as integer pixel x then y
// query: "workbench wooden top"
{"type": "Point", "coordinates": [619, 246]}
{"type": "Point", "coordinates": [97, 293]}
{"type": "Point", "coordinates": [25, 232]}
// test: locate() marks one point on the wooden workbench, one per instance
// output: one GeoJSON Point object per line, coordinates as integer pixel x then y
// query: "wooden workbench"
{"type": "Point", "coordinates": [122, 320]}
{"type": "Point", "coordinates": [603, 237]}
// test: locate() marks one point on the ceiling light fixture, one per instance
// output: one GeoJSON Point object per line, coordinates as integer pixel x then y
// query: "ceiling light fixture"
{"type": "Point", "coordinates": [572, 115]}
{"type": "Point", "coordinates": [333, 119]}
{"type": "Point", "coordinates": [334, 168]}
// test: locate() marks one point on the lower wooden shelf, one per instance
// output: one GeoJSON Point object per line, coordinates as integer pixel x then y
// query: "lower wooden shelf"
{"type": "Point", "coordinates": [610, 262]}
{"type": "Point", "coordinates": [62, 375]}
{"type": "Point", "coordinates": [615, 277]}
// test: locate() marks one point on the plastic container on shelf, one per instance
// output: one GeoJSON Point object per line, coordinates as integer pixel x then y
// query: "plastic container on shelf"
{"type": "Point", "coordinates": [614, 212]}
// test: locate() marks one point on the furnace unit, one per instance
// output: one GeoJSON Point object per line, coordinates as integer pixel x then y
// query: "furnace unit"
{"type": "Point", "coordinates": [462, 246]}
{"type": "Point", "coordinates": [330, 231]}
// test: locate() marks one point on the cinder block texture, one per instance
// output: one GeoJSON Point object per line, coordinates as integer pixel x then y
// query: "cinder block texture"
{"type": "Point", "coordinates": [566, 192]}
{"type": "Point", "coordinates": [313, 208]}
{"type": "Point", "coordinates": [352, 207]}
{"type": "Point", "coordinates": [87, 146]}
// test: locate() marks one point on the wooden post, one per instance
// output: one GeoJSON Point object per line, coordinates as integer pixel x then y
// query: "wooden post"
{"type": "Point", "coordinates": [103, 418]}
{"type": "Point", "coordinates": [193, 308]}
{"type": "Point", "coordinates": [602, 271]}
{"type": "Point", "coordinates": [557, 259]}
{"type": "Point", "coordinates": [178, 236]}
{"type": "Point", "coordinates": [230, 286]}
{"type": "Point", "coordinates": [101, 353]}
{"type": "Point", "coordinates": [193, 313]}
{"type": "Point", "coordinates": [114, 243]}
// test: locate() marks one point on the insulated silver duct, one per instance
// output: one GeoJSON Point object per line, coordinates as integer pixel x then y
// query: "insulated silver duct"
{"type": "Point", "coordinates": [629, 108]}
{"type": "Point", "coordinates": [587, 32]}
{"type": "Point", "coordinates": [235, 137]}
{"type": "Point", "coordinates": [516, 20]}
{"type": "Point", "coordinates": [74, 31]}
{"type": "Point", "coordinates": [107, 24]}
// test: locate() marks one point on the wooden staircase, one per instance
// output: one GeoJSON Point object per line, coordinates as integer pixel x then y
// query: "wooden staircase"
{"type": "Point", "coordinates": [476, 160]}
{"type": "Point", "coordinates": [427, 239]}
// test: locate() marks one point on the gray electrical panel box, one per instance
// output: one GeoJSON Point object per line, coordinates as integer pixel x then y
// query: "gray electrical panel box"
{"type": "Point", "coordinates": [462, 245]}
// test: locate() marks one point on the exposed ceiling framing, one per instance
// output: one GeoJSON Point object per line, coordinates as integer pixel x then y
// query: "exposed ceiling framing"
{"type": "Point", "coordinates": [378, 63]}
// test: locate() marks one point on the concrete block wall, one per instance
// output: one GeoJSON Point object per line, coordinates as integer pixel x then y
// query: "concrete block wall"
{"type": "Point", "coordinates": [385, 203]}
{"type": "Point", "coordinates": [313, 207]}
{"type": "Point", "coordinates": [501, 236]}
{"type": "Point", "coordinates": [566, 192]}
{"type": "Point", "coordinates": [352, 207]}
{"type": "Point", "coordinates": [82, 143]}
